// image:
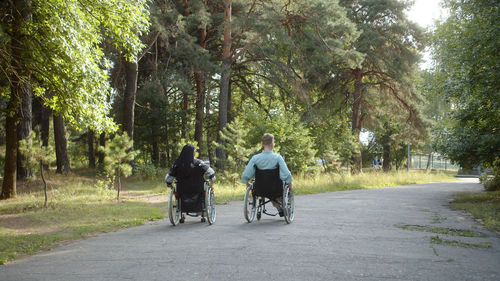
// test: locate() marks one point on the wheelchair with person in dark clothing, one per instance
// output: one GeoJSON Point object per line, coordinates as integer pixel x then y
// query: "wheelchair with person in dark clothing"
{"type": "Point", "coordinates": [192, 202]}
{"type": "Point", "coordinates": [268, 187]}
{"type": "Point", "coordinates": [193, 193]}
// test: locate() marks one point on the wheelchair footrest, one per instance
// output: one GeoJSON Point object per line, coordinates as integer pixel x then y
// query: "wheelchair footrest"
{"type": "Point", "coordinates": [194, 214]}
{"type": "Point", "coordinates": [270, 214]}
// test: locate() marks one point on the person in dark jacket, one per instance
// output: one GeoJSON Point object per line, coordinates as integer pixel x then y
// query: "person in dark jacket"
{"type": "Point", "coordinates": [190, 174]}
{"type": "Point", "coordinates": [189, 171]}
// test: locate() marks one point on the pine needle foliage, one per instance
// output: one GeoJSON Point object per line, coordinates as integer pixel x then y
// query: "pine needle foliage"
{"type": "Point", "coordinates": [118, 155]}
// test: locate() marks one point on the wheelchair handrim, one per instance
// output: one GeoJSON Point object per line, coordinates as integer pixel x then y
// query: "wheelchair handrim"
{"type": "Point", "coordinates": [174, 213]}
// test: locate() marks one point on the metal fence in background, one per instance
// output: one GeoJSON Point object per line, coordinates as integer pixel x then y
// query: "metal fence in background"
{"type": "Point", "coordinates": [436, 162]}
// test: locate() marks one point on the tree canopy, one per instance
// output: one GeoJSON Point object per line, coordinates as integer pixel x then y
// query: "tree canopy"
{"type": "Point", "coordinates": [219, 74]}
{"type": "Point", "coordinates": [466, 51]}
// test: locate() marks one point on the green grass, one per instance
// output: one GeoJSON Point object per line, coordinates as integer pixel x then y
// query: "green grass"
{"type": "Point", "coordinates": [484, 206]}
{"type": "Point", "coordinates": [337, 182]}
{"type": "Point", "coordinates": [455, 243]}
{"type": "Point", "coordinates": [76, 210]}
{"type": "Point", "coordinates": [139, 186]}
{"type": "Point", "coordinates": [441, 230]}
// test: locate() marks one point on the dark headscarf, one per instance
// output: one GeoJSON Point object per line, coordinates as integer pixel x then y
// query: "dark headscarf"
{"type": "Point", "coordinates": [185, 159]}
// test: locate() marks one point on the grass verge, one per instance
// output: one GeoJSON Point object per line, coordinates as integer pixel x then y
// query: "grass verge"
{"type": "Point", "coordinates": [484, 206]}
{"type": "Point", "coordinates": [337, 182]}
{"type": "Point", "coordinates": [78, 209]}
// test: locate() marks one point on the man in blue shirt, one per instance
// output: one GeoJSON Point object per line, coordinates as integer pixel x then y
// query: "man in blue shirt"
{"type": "Point", "coordinates": [266, 160]}
{"type": "Point", "coordinates": [375, 162]}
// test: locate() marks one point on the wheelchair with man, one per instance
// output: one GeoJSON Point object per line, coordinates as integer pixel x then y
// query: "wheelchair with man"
{"type": "Point", "coordinates": [193, 201]}
{"type": "Point", "coordinates": [268, 187]}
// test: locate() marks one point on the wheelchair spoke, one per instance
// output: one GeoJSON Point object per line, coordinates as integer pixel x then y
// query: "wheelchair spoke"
{"type": "Point", "coordinates": [174, 210]}
{"type": "Point", "coordinates": [210, 206]}
{"type": "Point", "coordinates": [288, 205]}
{"type": "Point", "coordinates": [250, 205]}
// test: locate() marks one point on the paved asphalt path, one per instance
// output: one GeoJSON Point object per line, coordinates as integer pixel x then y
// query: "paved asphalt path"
{"type": "Point", "coordinates": [350, 235]}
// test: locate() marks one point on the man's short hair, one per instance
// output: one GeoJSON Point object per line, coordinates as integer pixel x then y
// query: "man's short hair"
{"type": "Point", "coordinates": [267, 139]}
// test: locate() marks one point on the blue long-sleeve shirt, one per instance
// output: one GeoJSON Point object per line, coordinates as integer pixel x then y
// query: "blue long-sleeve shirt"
{"type": "Point", "coordinates": [266, 160]}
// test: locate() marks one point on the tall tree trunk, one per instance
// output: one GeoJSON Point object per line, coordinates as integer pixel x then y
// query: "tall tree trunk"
{"type": "Point", "coordinates": [200, 97]}
{"type": "Point", "coordinates": [45, 125]}
{"type": "Point", "coordinates": [386, 145]}
{"type": "Point", "coordinates": [167, 137]}
{"type": "Point", "coordinates": [185, 95]}
{"type": "Point", "coordinates": [9, 174]}
{"type": "Point", "coordinates": [207, 129]}
{"type": "Point", "coordinates": [131, 71]}
{"type": "Point", "coordinates": [356, 118]}
{"type": "Point", "coordinates": [155, 154]}
{"type": "Point", "coordinates": [36, 114]}
{"type": "Point", "coordinates": [19, 79]}
{"type": "Point", "coordinates": [185, 106]}
{"type": "Point", "coordinates": [91, 156]}
{"type": "Point", "coordinates": [61, 144]}
{"type": "Point", "coordinates": [24, 130]}
{"type": "Point", "coordinates": [429, 158]}
{"type": "Point", "coordinates": [100, 158]}
{"type": "Point", "coordinates": [44, 184]}
{"type": "Point", "coordinates": [44, 128]}
{"type": "Point", "coordinates": [229, 102]}
{"type": "Point", "coordinates": [224, 85]}
{"type": "Point", "coordinates": [119, 187]}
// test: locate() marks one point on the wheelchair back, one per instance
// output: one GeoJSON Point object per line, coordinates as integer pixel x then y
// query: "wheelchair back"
{"type": "Point", "coordinates": [191, 190]}
{"type": "Point", "coordinates": [268, 183]}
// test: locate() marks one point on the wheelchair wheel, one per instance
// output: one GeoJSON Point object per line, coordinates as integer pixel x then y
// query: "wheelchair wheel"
{"type": "Point", "coordinates": [174, 208]}
{"type": "Point", "coordinates": [250, 205]}
{"type": "Point", "coordinates": [288, 204]}
{"type": "Point", "coordinates": [210, 205]}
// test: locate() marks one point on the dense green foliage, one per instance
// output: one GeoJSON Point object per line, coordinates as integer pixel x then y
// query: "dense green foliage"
{"type": "Point", "coordinates": [468, 73]}
{"type": "Point", "coordinates": [63, 51]}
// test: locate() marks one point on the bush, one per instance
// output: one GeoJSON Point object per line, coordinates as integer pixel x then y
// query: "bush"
{"type": "Point", "coordinates": [243, 139]}
{"type": "Point", "coordinates": [148, 171]}
{"type": "Point", "coordinates": [292, 138]}
{"type": "Point", "coordinates": [118, 154]}
{"type": "Point", "coordinates": [492, 183]}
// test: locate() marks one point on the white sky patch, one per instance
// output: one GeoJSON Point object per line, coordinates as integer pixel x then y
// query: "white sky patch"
{"type": "Point", "coordinates": [425, 13]}
{"type": "Point", "coordinates": [365, 136]}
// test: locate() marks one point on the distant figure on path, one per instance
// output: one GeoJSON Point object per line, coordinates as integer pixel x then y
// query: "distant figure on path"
{"type": "Point", "coordinates": [375, 162]}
